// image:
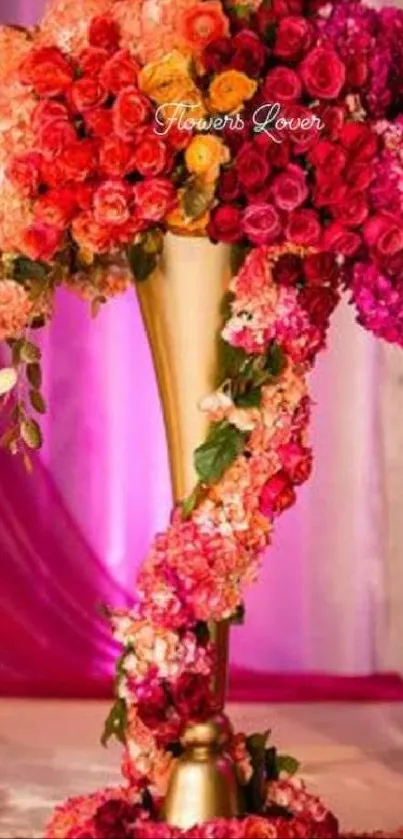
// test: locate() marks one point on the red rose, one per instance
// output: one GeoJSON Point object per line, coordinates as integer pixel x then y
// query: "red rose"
{"type": "Point", "coordinates": [358, 176]}
{"type": "Point", "coordinates": [319, 302]}
{"type": "Point", "coordinates": [24, 171]}
{"type": "Point", "coordinates": [84, 195]}
{"type": "Point", "coordinates": [261, 224]}
{"type": "Point", "coordinates": [281, 85]}
{"type": "Point", "coordinates": [48, 111]}
{"type": "Point", "coordinates": [261, 196]}
{"type": "Point", "coordinates": [305, 127]}
{"type": "Point", "coordinates": [338, 239]}
{"type": "Point", "coordinates": [290, 189]}
{"type": "Point", "coordinates": [265, 19]}
{"type": "Point", "coordinates": [115, 157]}
{"type": "Point", "coordinates": [91, 61]}
{"type": "Point", "coordinates": [353, 211]}
{"type": "Point", "coordinates": [228, 187]}
{"type": "Point", "coordinates": [356, 70]}
{"type": "Point", "coordinates": [57, 207]}
{"type": "Point", "coordinates": [285, 8]}
{"type": "Point", "coordinates": [150, 157]}
{"type": "Point", "coordinates": [252, 167]}
{"type": "Point", "coordinates": [154, 198]}
{"type": "Point", "coordinates": [323, 73]}
{"type": "Point", "coordinates": [278, 155]}
{"type": "Point", "coordinates": [248, 52]}
{"type": "Point", "coordinates": [217, 55]}
{"type": "Point", "coordinates": [131, 110]}
{"type": "Point", "coordinates": [333, 118]}
{"type": "Point", "coordinates": [54, 136]}
{"type": "Point", "coordinates": [328, 155]}
{"type": "Point", "coordinates": [277, 495]}
{"type": "Point", "coordinates": [41, 241]}
{"type": "Point", "coordinates": [384, 233]}
{"type": "Point", "coordinates": [111, 203]}
{"type": "Point", "coordinates": [104, 32]}
{"type": "Point", "coordinates": [297, 461]}
{"type": "Point", "coordinates": [329, 190]}
{"type": "Point", "coordinates": [152, 706]}
{"type": "Point", "coordinates": [178, 138]}
{"type": "Point", "coordinates": [192, 697]}
{"type": "Point", "coordinates": [99, 122]}
{"type": "Point", "coordinates": [293, 38]}
{"type": "Point", "coordinates": [359, 140]}
{"type": "Point", "coordinates": [321, 269]}
{"type": "Point", "coordinates": [304, 228]}
{"type": "Point", "coordinates": [225, 224]}
{"type": "Point", "coordinates": [77, 161]}
{"type": "Point", "coordinates": [87, 93]}
{"type": "Point", "coordinates": [288, 270]}
{"type": "Point", "coordinates": [48, 71]}
{"type": "Point", "coordinates": [120, 71]}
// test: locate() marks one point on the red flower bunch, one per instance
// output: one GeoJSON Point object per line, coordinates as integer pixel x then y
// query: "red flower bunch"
{"type": "Point", "coordinates": [97, 173]}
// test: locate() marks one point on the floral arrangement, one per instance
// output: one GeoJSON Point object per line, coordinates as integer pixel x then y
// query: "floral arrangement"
{"type": "Point", "coordinates": [275, 127]}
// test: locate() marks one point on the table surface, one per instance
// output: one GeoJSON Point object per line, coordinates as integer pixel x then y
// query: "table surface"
{"type": "Point", "coordinates": [351, 754]}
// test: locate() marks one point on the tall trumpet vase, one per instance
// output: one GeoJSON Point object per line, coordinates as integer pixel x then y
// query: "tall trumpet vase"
{"type": "Point", "coordinates": [181, 308]}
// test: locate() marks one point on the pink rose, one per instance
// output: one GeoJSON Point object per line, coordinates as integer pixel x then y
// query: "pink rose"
{"type": "Point", "coordinates": [154, 198]}
{"type": "Point", "coordinates": [41, 241]}
{"type": "Point", "coordinates": [111, 203]}
{"type": "Point", "coordinates": [339, 239]}
{"type": "Point", "coordinates": [297, 461]}
{"type": "Point", "coordinates": [323, 73]}
{"type": "Point", "coordinates": [277, 495]}
{"type": "Point", "coordinates": [293, 38]}
{"type": "Point", "coordinates": [304, 228]}
{"type": "Point", "coordinates": [261, 224]}
{"type": "Point", "coordinates": [384, 233]}
{"type": "Point", "coordinates": [290, 189]}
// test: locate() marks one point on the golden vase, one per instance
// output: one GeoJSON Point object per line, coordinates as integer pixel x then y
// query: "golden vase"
{"type": "Point", "coordinates": [181, 307]}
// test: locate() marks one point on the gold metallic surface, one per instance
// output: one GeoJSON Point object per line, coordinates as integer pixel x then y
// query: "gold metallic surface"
{"type": "Point", "coordinates": [203, 784]}
{"type": "Point", "coordinates": [181, 307]}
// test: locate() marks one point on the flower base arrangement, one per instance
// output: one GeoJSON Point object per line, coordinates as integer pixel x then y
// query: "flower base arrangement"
{"type": "Point", "coordinates": [276, 127]}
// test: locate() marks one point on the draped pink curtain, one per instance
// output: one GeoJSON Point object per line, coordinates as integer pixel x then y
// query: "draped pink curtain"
{"type": "Point", "coordinates": [73, 534]}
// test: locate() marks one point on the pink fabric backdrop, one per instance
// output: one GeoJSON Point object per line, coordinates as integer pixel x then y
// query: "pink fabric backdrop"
{"type": "Point", "coordinates": [73, 535]}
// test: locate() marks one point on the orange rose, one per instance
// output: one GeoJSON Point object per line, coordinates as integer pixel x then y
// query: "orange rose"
{"type": "Point", "coordinates": [202, 23]}
{"type": "Point", "coordinates": [230, 90]}
{"type": "Point", "coordinates": [179, 223]}
{"type": "Point", "coordinates": [204, 156]}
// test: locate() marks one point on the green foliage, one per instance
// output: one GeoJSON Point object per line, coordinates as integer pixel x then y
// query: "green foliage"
{"type": "Point", "coordinates": [34, 375]}
{"type": "Point", "coordinates": [223, 445]}
{"type": "Point", "coordinates": [116, 723]}
{"type": "Point", "coordinates": [37, 401]}
{"type": "Point", "coordinates": [29, 269]}
{"type": "Point", "coordinates": [31, 433]}
{"type": "Point", "coordinates": [142, 264]}
{"type": "Point", "coordinates": [197, 198]}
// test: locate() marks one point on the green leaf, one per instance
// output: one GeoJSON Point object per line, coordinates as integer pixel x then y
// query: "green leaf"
{"type": "Point", "coordinates": [275, 360]}
{"type": "Point", "coordinates": [233, 359]}
{"type": "Point", "coordinates": [29, 269]}
{"type": "Point", "coordinates": [34, 375]}
{"type": "Point", "coordinates": [29, 352]}
{"type": "Point", "coordinates": [190, 503]}
{"type": "Point", "coordinates": [223, 445]}
{"type": "Point", "coordinates": [257, 742]}
{"type": "Point", "coordinates": [142, 264]}
{"type": "Point", "coordinates": [37, 401]}
{"type": "Point", "coordinates": [115, 723]}
{"type": "Point", "coordinates": [238, 256]}
{"type": "Point", "coordinates": [197, 199]}
{"type": "Point", "coordinates": [250, 399]}
{"type": "Point", "coordinates": [8, 380]}
{"type": "Point", "coordinates": [31, 433]}
{"type": "Point", "coordinates": [288, 764]}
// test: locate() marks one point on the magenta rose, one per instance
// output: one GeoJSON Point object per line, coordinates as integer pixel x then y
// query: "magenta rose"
{"type": "Point", "coordinates": [304, 228]}
{"type": "Point", "coordinates": [384, 234]}
{"type": "Point", "coordinates": [261, 224]}
{"type": "Point", "coordinates": [290, 189]}
{"type": "Point", "coordinates": [293, 38]}
{"type": "Point", "coordinates": [281, 85]}
{"type": "Point", "coordinates": [277, 495]}
{"type": "Point", "coordinates": [253, 168]}
{"type": "Point", "coordinates": [340, 240]}
{"type": "Point", "coordinates": [297, 461]}
{"type": "Point", "coordinates": [249, 52]}
{"type": "Point", "coordinates": [225, 224]}
{"type": "Point", "coordinates": [323, 73]}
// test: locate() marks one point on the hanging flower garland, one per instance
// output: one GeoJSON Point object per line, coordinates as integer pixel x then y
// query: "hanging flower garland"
{"type": "Point", "coordinates": [287, 145]}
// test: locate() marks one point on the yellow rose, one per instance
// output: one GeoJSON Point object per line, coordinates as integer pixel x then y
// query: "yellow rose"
{"type": "Point", "coordinates": [230, 90]}
{"type": "Point", "coordinates": [204, 156]}
{"type": "Point", "coordinates": [168, 82]}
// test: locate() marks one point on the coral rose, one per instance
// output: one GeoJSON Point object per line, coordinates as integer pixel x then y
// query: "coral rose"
{"type": "Point", "coordinates": [87, 93]}
{"type": "Point", "coordinates": [104, 32]}
{"type": "Point", "coordinates": [230, 90]}
{"type": "Point", "coordinates": [24, 172]}
{"type": "Point", "coordinates": [77, 161]}
{"type": "Point", "coordinates": [91, 61]}
{"type": "Point", "coordinates": [41, 241]}
{"type": "Point", "coordinates": [323, 73]}
{"type": "Point", "coordinates": [57, 207]}
{"type": "Point", "coordinates": [150, 157]}
{"type": "Point", "coordinates": [54, 135]}
{"type": "Point", "coordinates": [99, 122]}
{"type": "Point", "coordinates": [15, 309]}
{"type": "Point", "coordinates": [131, 110]}
{"type": "Point", "coordinates": [111, 203]}
{"type": "Point", "coordinates": [154, 198]}
{"type": "Point", "coordinates": [120, 71]}
{"type": "Point", "coordinates": [115, 156]}
{"type": "Point", "coordinates": [204, 156]}
{"type": "Point", "coordinates": [203, 23]}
